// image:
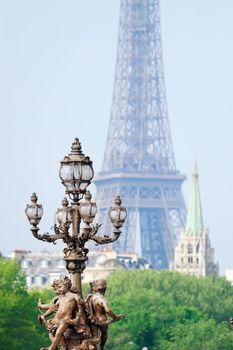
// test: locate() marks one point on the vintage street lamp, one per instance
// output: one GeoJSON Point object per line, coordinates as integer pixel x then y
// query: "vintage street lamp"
{"type": "Point", "coordinates": [34, 213]}
{"type": "Point", "coordinates": [62, 218]}
{"type": "Point", "coordinates": [74, 220]}
{"type": "Point", "coordinates": [117, 214]}
{"type": "Point", "coordinates": [76, 172]}
{"type": "Point", "coordinates": [88, 209]}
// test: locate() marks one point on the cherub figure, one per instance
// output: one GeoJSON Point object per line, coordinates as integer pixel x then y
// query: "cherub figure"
{"type": "Point", "coordinates": [69, 311]}
{"type": "Point", "coordinates": [51, 308]}
{"type": "Point", "coordinates": [52, 305]}
{"type": "Point", "coordinates": [99, 311]}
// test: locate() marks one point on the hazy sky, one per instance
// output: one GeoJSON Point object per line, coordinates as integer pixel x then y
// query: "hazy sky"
{"type": "Point", "coordinates": [57, 61]}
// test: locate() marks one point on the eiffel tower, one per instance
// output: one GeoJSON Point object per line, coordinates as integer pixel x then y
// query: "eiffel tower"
{"type": "Point", "coordinates": [139, 161]}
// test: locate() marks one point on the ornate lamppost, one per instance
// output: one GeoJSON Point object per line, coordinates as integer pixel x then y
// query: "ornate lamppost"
{"type": "Point", "coordinates": [74, 220]}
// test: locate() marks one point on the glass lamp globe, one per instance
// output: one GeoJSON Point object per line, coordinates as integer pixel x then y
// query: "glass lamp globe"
{"type": "Point", "coordinates": [34, 211]}
{"type": "Point", "coordinates": [88, 209]}
{"type": "Point", "coordinates": [76, 171]}
{"type": "Point", "coordinates": [117, 214]}
{"type": "Point", "coordinates": [62, 215]}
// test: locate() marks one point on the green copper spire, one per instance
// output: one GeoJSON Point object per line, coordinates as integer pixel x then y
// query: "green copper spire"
{"type": "Point", "coordinates": [194, 219]}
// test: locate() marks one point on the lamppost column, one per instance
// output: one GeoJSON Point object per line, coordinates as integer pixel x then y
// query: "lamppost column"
{"type": "Point", "coordinates": [75, 266]}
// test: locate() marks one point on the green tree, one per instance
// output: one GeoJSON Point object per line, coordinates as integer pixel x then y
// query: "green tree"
{"type": "Point", "coordinates": [19, 329]}
{"type": "Point", "coordinates": [168, 311]}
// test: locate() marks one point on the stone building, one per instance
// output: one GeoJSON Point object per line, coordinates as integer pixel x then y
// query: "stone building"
{"type": "Point", "coordinates": [194, 254]}
{"type": "Point", "coordinates": [43, 267]}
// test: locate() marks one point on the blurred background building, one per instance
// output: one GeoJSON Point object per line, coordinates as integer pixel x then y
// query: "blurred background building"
{"type": "Point", "coordinates": [43, 267]}
{"type": "Point", "coordinates": [194, 254]}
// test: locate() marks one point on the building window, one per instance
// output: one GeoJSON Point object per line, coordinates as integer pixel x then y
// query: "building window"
{"type": "Point", "coordinates": [190, 249]}
{"type": "Point", "coordinates": [45, 263]}
{"type": "Point", "coordinates": [24, 264]}
{"type": "Point", "coordinates": [40, 280]}
{"type": "Point", "coordinates": [197, 260]}
{"type": "Point", "coordinates": [43, 280]}
{"type": "Point", "coordinates": [30, 280]}
{"type": "Point", "coordinates": [190, 259]}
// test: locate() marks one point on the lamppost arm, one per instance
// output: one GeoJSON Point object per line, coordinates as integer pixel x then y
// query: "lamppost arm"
{"type": "Point", "coordinates": [46, 237]}
{"type": "Point", "coordinates": [106, 239]}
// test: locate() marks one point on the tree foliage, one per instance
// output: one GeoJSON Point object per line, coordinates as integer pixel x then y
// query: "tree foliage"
{"type": "Point", "coordinates": [169, 311]}
{"type": "Point", "coordinates": [163, 311]}
{"type": "Point", "coordinates": [19, 329]}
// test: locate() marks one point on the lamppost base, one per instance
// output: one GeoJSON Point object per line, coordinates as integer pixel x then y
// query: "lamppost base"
{"type": "Point", "coordinates": [75, 341]}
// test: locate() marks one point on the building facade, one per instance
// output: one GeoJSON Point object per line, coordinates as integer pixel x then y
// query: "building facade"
{"type": "Point", "coordinates": [42, 268]}
{"type": "Point", "coordinates": [139, 162]}
{"type": "Point", "coordinates": [194, 254]}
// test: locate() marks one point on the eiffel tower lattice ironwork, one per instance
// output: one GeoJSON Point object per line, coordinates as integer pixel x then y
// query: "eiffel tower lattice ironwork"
{"type": "Point", "coordinates": [139, 161]}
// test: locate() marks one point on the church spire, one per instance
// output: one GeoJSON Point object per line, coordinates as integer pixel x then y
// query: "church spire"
{"type": "Point", "coordinates": [194, 254]}
{"type": "Point", "coordinates": [194, 219]}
